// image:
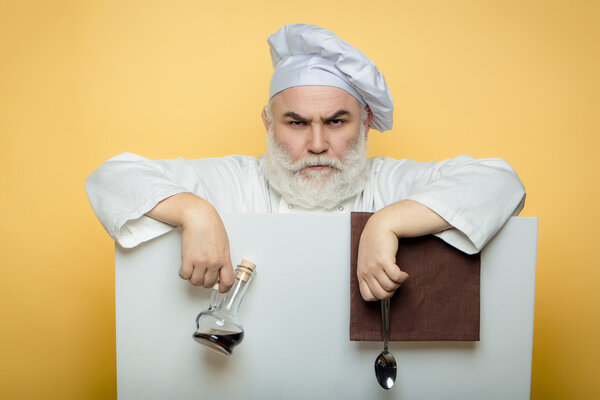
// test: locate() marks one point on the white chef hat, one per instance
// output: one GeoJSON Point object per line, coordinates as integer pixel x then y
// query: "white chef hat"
{"type": "Point", "coordinates": [306, 55]}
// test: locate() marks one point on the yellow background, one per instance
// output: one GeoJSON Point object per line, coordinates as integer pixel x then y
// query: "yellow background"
{"type": "Point", "coordinates": [81, 81]}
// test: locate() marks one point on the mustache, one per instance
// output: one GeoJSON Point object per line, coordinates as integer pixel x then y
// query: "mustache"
{"type": "Point", "coordinates": [316, 161]}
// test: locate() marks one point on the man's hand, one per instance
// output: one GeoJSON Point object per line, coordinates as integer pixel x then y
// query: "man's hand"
{"type": "Point", "coordinates": [205, 255]}
{"type": "Point", "coordinates": [377, 272]}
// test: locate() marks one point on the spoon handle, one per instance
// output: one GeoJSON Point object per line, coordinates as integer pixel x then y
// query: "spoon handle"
{"type": "Point", "coordinates": [385, 321]}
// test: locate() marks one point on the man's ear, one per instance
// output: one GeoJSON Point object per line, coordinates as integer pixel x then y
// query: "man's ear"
{"type": "Point", "coordinates": [368, 120]}
{"type": "Point", "coordinates": [265, 120]}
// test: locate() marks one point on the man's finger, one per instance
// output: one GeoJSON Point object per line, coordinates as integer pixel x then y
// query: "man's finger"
{"type": "Point", "coordinates": [185, 272]}
{"type": "Point", "coordinates": [372, 290]}
{"type": "Point", "coordinates": [226, 278]}
{"type": "Point", "coordinates": [380, 293]}
{"type": "Point", "coordinates": [197, 277]}
{"type": "Point", "coordinates": [377, 289]}
{"type": "Point", "coordinates": [380, 278]}
{"type": "Point", "coordinates": [210, 278]}
{"type": "Point", "coordinates": [365, 291]}
{"type": "Point", "coordinates": [384, 281]}
{"type": "Point", "coordinates": [395, 273]}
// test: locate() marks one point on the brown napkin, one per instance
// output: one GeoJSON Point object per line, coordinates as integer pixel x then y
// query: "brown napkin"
{"type": "Point", "coordinates": [439, 301]}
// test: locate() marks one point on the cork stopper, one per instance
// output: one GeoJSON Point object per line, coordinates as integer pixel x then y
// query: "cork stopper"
{"type": "Point", "coordinates": [245, 270]}
{"type": "Point", "coordinates": [248, 264]}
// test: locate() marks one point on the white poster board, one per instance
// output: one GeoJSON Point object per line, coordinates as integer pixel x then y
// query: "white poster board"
{"type": "Point", "coordinates": [296, 343]}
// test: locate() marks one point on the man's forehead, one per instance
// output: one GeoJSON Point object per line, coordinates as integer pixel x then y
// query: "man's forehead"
{"type": "Point", "coordinates": [322, 100]}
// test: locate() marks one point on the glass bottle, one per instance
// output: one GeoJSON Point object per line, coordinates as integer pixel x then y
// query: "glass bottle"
{"type": "Point", "coordinates": [218, 327]}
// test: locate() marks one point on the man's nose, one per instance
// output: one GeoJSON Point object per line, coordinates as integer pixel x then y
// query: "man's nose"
{"type": "Point", "coordinates": [317, 141]}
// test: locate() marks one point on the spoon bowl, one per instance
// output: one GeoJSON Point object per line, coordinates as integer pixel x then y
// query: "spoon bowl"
{"type": "Point", "coordinates": [385, 369]}
{"type": "Point", "coordinates": [385, 363]}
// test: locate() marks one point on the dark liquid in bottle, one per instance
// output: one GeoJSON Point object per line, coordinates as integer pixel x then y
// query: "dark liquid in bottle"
{"type": "Point", "coordinates": [223, 342]}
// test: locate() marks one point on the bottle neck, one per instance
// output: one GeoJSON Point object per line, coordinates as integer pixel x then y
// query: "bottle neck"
{"type": "Point", "coordinates": [235, 296]}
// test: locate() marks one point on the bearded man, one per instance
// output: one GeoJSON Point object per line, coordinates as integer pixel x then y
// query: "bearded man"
{"type": "Point", "coordinates": [325, 95]}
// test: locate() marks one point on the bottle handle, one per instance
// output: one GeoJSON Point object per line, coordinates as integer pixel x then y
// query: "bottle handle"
{"type": "Point", "coordinates": [215, 297]}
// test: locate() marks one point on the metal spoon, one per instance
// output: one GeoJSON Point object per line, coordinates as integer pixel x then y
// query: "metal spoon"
{"type": "Point", "coordinates": [385, 363]}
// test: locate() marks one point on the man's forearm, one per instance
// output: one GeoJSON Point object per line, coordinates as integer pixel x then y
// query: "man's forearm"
{"type": "Point", "coordinates": [409, 218]}
{"type": "Point", "coordinates": [181, 209]}
{"type": "Point", "coordinates": [377, 272]}
{"type": "Point", "coordinates": [205, 254]}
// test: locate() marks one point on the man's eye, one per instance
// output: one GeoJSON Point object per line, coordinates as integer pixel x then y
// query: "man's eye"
{"type": "Point", "coordinates": [296, 123]}
{"type": "Point", "coordinates": [336, 122]}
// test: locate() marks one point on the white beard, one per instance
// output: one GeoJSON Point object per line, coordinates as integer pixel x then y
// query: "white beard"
{"type": "Point", "coordinates": [324, 188]}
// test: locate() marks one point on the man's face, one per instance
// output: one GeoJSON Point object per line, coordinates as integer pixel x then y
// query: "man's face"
{"type": "Point", "coordinates": [315, 120]}
{"type": "Point", "coordinates": [316, 146]}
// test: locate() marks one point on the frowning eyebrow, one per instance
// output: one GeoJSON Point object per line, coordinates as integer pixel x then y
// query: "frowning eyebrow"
{"type": "Point", "coordinates": [299, 118]}
{"type": "Point", "coordinates": [337, 114]}
{"type": "Point", "coordinates": [294, 116]}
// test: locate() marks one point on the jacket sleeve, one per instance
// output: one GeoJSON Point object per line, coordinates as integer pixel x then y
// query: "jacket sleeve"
{"type": "Point", "coordinates": [475, 196]}
{"type": "Point", "coordinates": [126, 187]}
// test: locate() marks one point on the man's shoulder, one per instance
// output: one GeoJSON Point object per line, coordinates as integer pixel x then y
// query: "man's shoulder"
{"type": "Point", "coordinates": [229, 161]}
{"type": "Point", "coordinates": [214, 171]}
{"type": "Point", "coordinates": [383, 167]}
{"type": "Point", "coordinates": [379, 162]}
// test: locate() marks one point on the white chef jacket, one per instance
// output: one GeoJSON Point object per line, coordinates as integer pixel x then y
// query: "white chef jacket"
{"type": "Point", "coordinates": [475, 196]}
